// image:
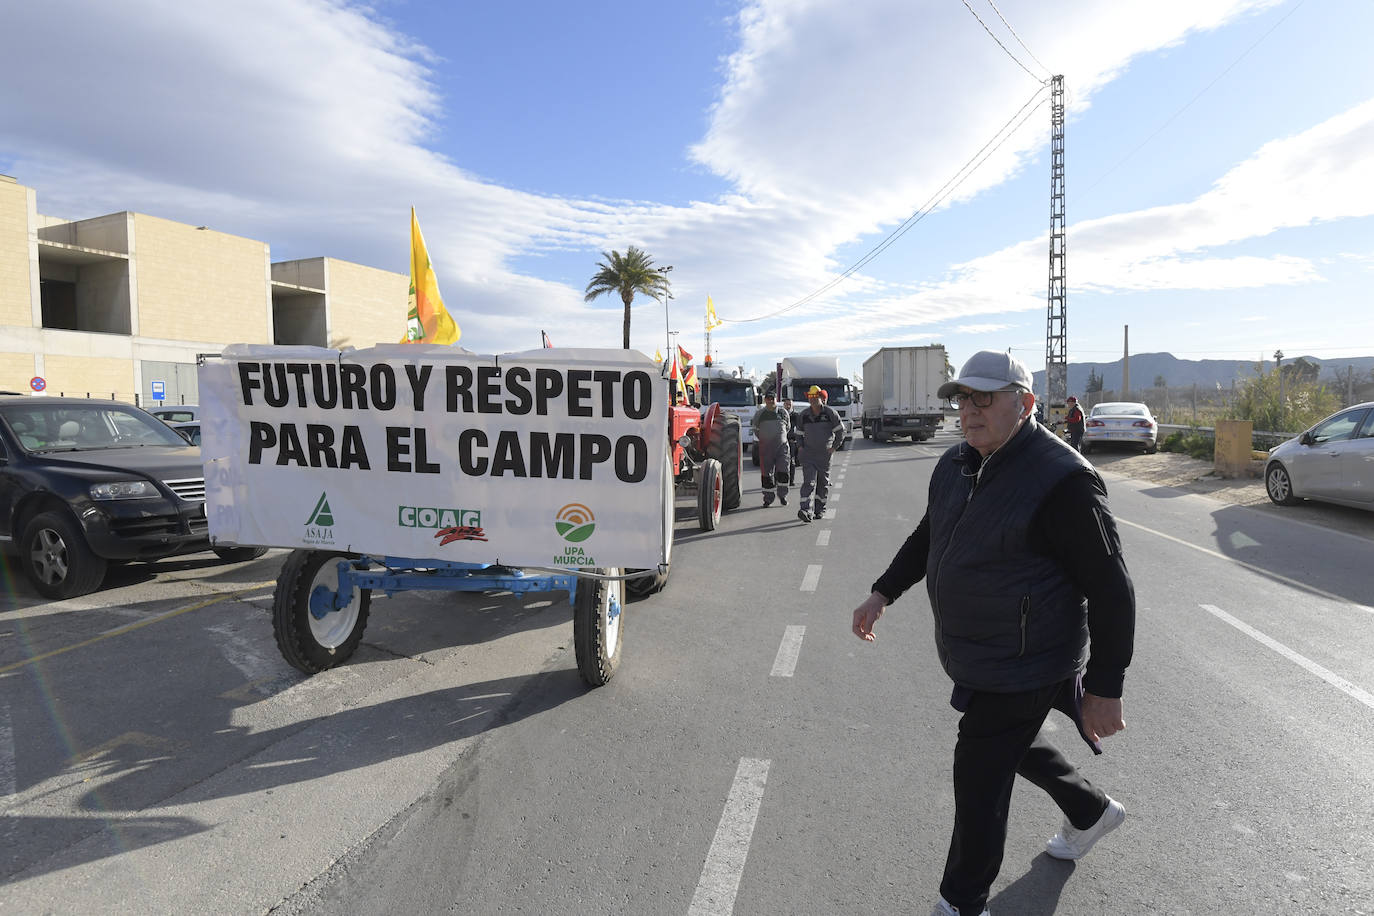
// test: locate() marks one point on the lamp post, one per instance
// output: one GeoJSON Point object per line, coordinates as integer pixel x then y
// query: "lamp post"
{"type": "Point", "coordinates": [1278, 368]}
{"type": "Point", "coordinates": [667, 335]}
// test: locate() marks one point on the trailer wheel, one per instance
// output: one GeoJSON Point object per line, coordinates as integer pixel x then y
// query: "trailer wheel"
{"type": "Point", "coordinates": [649, 585]}
{"type": "Point", "coordinates": [709, 495]}
{"type": "Point", "coordinates": [878, 434]}
{"type": "Point", "coordinates": [725, 447]}
{"type": "Point", "coordinates": [318, 639]}
{"type": "Point", "coordinates": [598, 625]}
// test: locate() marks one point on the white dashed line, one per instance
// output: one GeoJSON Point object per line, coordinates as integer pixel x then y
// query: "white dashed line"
{"type": "Point", "coordinates": [812, 577]}
{"type": "Point", "coordinates": [823, 538]}
{"type": "Point", "coordinates": [786, 661]}
{"type": "Point", "coordinates": [720, 876]}
{"type": "Point", "coordinates": [1331, 677]}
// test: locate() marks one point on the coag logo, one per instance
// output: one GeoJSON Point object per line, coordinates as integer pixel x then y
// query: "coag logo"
{"type": "Point", "coordinates": [431, 517]}
{"type": "Point", "coordinates": [574, 523]}
{"type": "Point", "coordinates": [319, 527]}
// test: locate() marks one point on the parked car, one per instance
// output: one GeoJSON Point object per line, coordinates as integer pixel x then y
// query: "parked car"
{"type": "Point", "coordinates": [177, 413]}
{"type": "Point", "coordinates": [1332, 462]}
{"type": "Point", "coordinates": [1121, 423]}
{"type": "Point", "coordinates": [188, 431]}
{"type": "Point", "coordinates": [85, 482]}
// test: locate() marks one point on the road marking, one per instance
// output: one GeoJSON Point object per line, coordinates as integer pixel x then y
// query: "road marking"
{"type": "Point", "coordinates": [823, 538]}
{"type": "Point", "coordinates": [786, 661]}
{"type": "Point", "coordinates": [809, 581]}
{"type": "Point", "coordinates": [1250, 566]}
{"type": "Point", "coordinates": [7, 783]}
{"type": "Point", "coordinates": [833, 497]}
{"type": "Point", "coordinates": [1331, 677]}
{"type": "Point", "coordinates": [720, 876]}
{"type": "Point", "coordinates": [829, 512]}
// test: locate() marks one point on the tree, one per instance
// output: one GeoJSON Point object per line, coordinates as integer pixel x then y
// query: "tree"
{"type": "Point", "coordinates": [627, 275]}
{"type": "Point", "coordinates": [1161, 382]}
{"type": "Point", "coordinates": [1292, 407]}
{"type": "Point", "coordinates": [1094, 384]}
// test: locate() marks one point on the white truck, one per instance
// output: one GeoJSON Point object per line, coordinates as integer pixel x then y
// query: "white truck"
{"type": "Point", "coordinates": [798, 373]}
{"type": "Point", "coordinates": [737, 396]}
{"type": "Point", "coordinates": [901, 392]}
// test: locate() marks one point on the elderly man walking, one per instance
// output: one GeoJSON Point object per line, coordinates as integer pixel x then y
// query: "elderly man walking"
{"type": "Point", "coordinates": [819, 431]}
{"type": "Point", "coordinates": [1023, 569]}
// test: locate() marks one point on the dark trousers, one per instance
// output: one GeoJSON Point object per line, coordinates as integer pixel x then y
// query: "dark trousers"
{"type": "Point", "coordinates": [815, 476]}
{"type": "Point", "coordinates": [999, 737]}
{"type": "Point", "coordinates": [1076, 439]}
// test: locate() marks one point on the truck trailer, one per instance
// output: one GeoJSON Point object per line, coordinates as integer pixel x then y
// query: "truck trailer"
{"type": "Point", "coordinates": [901, 392]}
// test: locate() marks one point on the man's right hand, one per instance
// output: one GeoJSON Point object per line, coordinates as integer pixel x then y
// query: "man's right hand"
{"type": "Point", "coordinates": [867, 614]}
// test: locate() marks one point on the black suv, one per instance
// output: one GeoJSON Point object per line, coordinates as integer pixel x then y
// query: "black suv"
{"type": "Point", "coordinates": [85, 482]}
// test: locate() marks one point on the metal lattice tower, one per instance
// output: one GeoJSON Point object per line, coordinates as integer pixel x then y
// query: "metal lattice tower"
{"type": "Point", "coordinates": [1056, 335]}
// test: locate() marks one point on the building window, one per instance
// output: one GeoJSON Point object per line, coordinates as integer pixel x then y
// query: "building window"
{"type": "Point", "coordinates": [59, 304]}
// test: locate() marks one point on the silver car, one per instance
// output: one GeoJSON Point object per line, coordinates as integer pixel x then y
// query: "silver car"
{"type": "Point", "coordinates": [1332, 462]}
{"type": "Point", "coordinates": [1121, 423]}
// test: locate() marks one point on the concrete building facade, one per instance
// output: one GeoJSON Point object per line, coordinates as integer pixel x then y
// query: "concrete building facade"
{"type": "Point", "coordinates": [110, 305]}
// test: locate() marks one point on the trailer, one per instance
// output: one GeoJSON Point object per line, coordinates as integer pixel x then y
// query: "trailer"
{"type": "Point", "coordinates": [901, 386]}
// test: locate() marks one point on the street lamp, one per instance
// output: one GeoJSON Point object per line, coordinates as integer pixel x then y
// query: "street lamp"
{"type": "Point", "coordinates": [667, 335]}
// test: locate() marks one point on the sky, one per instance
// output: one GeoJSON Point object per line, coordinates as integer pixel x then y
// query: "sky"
{"type": "Point", "coordinates": [1219, 161]}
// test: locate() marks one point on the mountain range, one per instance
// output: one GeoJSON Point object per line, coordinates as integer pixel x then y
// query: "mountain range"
{"type": "Point", "coordinates": [1146, 367]}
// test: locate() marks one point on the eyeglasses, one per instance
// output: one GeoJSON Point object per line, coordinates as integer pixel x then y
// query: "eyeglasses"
{"type": "Point", "coordinates": [977, 398]}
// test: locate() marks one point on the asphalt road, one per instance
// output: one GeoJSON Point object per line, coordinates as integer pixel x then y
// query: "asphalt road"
{"type": "Point", "coordinates": [750, 756]}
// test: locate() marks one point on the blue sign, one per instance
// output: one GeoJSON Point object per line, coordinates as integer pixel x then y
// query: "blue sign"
{"type": "Point", "coordinates": [159, 391]}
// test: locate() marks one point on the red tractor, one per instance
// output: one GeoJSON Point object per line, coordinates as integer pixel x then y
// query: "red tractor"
{"type": "Point", "coordinates": [705, 454]}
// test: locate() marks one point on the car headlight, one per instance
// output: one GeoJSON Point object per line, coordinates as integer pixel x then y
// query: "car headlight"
{"type": "Point", "coordinates": [124, 489]}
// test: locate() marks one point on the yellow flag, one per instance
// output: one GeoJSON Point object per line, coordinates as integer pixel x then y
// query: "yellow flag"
{"type": "Point", "coordinates": [712, 321]}
{"type": "Point", "coordinates": [658, 356]}
{"type": "Point", "coordinates": [427, 321]}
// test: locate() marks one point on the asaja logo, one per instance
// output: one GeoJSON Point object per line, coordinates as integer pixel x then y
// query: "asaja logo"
{"type": "Point", "coordinates": [319, 527]}
{"type": "Point", "coordinates": [574, 523]}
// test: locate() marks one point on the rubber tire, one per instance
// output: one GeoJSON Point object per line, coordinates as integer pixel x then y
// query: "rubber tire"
{"type": "Point", "coordinates": [238, 554]}
{"type": "Point", "coordinates": [1152, 448]}
{"type": "Point", "coordinates": [863, 431]}
{"type": "Point", "coordinates": [726, 448]}
{"type": "Point", "coordinates": [754, 454]}
{"type": "Point", "coordinates": [1276, 478]}
{"type": "Point", "coordinates": [299, 635]}
{"type": "Point", "coordinates": [709, 495]}
{"type": "Point", "coordinates": [599, 627]}
{"type": "Point", "coordinates": [878, 434]}
{"type": "Point", "coordinates": [61, 538]}
{"type": "Point", "coordinates": [651, 585]}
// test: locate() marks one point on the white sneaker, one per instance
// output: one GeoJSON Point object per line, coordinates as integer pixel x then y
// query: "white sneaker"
{"type": "Point", "coordinates": [1071, 843]}
{"type": "Point", "coordinates": [944, 909]}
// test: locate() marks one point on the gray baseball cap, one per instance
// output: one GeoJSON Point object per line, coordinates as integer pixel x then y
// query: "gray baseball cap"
{"type": "Point", "coordinates": [989, 370]}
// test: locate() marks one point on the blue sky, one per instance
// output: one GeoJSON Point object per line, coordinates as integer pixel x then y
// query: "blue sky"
{"type": "Point", "coordinates": [1220, 160]}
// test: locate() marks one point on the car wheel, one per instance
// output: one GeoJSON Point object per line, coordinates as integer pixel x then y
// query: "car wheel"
{"type": "Point", "coordinates": [239, 554]}
{"type": "Point", "coordinates": [58, 560]}
{"type": "Point", "coordinates": [1279, 485]}
{"type": "Point", "coordinates": [1151, 448]}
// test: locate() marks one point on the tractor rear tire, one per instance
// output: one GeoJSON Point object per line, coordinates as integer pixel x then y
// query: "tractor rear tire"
{"type": "Point", "coordinates": [598, 626]}
{"type": "Point", "coordinates": [308, 643]}
{"type": "Point", "coordinates": [725, 447]}
{"type": "Point", "coordinates": [709, 495]}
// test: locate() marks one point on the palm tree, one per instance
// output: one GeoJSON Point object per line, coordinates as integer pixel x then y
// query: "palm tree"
{"type": "Point", "coordinates": [633, 273]}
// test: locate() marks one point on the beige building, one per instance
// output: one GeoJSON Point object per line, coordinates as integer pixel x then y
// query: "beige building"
{"type": "Point", "coordinates": [111, 305]}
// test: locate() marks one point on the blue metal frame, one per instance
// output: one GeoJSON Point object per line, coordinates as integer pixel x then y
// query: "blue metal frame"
{"type": "Point", "coordinates": [403, 574]}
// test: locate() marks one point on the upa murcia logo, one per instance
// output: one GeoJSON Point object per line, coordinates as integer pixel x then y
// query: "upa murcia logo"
{"type": "Point", "coordinates": [574, 523]}
{"type": "Point", "coordinates": [319, 527]}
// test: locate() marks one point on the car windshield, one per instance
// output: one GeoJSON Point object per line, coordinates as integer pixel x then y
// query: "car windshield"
{"type": "Point", "coordinates": [1120, 410]}
{"type": "Point", "coordinates": [41, 427]}
{"type": "Point", "coordinates": [728, 394]}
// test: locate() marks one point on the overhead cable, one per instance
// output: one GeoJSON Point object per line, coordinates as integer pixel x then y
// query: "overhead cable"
{"type": "Point", "coordinates": [999, 41]}
{"type": "Point", "coordinates": [1017, 37]}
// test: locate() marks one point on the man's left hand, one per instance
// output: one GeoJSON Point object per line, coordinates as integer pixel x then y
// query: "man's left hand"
{"type": "Point", "coordinates": [1102, 716]}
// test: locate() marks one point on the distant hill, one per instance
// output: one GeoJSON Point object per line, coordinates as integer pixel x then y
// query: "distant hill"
{"type": "Point", "coordinates": [1180, 372]}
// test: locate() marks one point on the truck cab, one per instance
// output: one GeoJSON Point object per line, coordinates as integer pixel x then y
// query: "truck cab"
{"type": "Point", "coordinates": [800, 373]}
{"type": "Point", "coordinates": [736, 395]}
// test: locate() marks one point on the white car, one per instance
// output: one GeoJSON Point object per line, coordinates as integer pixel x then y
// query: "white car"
{"type": "Point", "coordinates": [176, 413]}
{"type": "Point", "coordinates": [1121, 423]}
{"type": "Point", "coordinates": [1332, 462]}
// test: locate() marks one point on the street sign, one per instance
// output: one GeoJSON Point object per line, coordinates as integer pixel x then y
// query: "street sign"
{"type": "Point", "coordinates": [38, 383]}
{"type": "Point", "coordinates": [159, 391]}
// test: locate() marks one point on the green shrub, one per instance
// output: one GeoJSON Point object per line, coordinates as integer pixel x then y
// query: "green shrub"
{"type": "Point", "coordinates": [1191, 443]}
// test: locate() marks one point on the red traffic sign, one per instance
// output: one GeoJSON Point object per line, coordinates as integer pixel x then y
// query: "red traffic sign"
{"type": "Point", "coordinates": [37, 383]}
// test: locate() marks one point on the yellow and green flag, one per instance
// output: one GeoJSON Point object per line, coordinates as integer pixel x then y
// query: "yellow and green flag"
{"type": "Point", "coordinates": [427, 321]}
{"type": "Point", "coordinates": [712, 321]}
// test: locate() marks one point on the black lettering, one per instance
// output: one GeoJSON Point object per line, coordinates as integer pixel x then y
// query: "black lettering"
{"type": "Point", "coordinates": [548, 384]}
{"type": "Point", "coordinates": [517, 384]}
{"type": "Point", "coordinates": [509, 456]}
{"type": "Point", "coordinates": [549, 454]}
{"type": "Point", "coordinates": [353, 381]}
{"type": "Point", "coordinates": [419, 381]}
{"type": "Point", "coordinates": [260, 436]}
{"type": "Point", "coordinates": [631, 458]}
{"type": "Point", "coordinates": [320, 439]}
{"type": "Point", "coordinates": [383, 386]}
{"type": "Point", "coordinates": [488, 389]}
{"type": "Point", "coordinates": [467, 441]}
{"type": "Point", "coordinates": [422, 463]}
{"type": "Point", "coordinates": [274, 390]}
{"type": "Point", "coordinates": [290, 450]}
{"type": "Point", "coordinates": [458, 382]}
{"type": "Point", "coordinates": [595, 449]}
{"type": "Point", "coordinates": [397, 447]}
{"type": "Point", "coordinates": [579, 393]}
{"type": "Point", "coordinates": [607, 380]}
{"type": "Point", "coordinates": [353, 453]}
{"type": "Point", "coordinates": [324, 384]}
{"type": "Point", "coordinates": [298, 371]}
{"type": "Point", "coordinates": [635, 395]}
{"type": "Point", "coordinates": [248, 381]}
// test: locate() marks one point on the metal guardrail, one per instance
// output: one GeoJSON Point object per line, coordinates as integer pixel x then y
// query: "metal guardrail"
{"type": "Point", "coordinates": [1259, 438]}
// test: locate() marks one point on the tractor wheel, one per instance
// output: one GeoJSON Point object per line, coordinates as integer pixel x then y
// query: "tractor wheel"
{"type": "Point", "coordinates": [649, 585]}
{"type": "Point", "coordinates": [725, 447]}
{"type": "Point", "coordinates": [318, 638]}
{"type": "Point", "coordinates": [598, 625]}
{"type": "Point", "coordinates": [709, 495]}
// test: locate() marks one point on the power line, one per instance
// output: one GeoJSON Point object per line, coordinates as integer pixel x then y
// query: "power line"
{"type": "Point", "coordinates": [999, 41]}
{"type": "Point", "coordinates": [942, 193]}
{"type": "Point", "coordinates": [1017, 37]}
